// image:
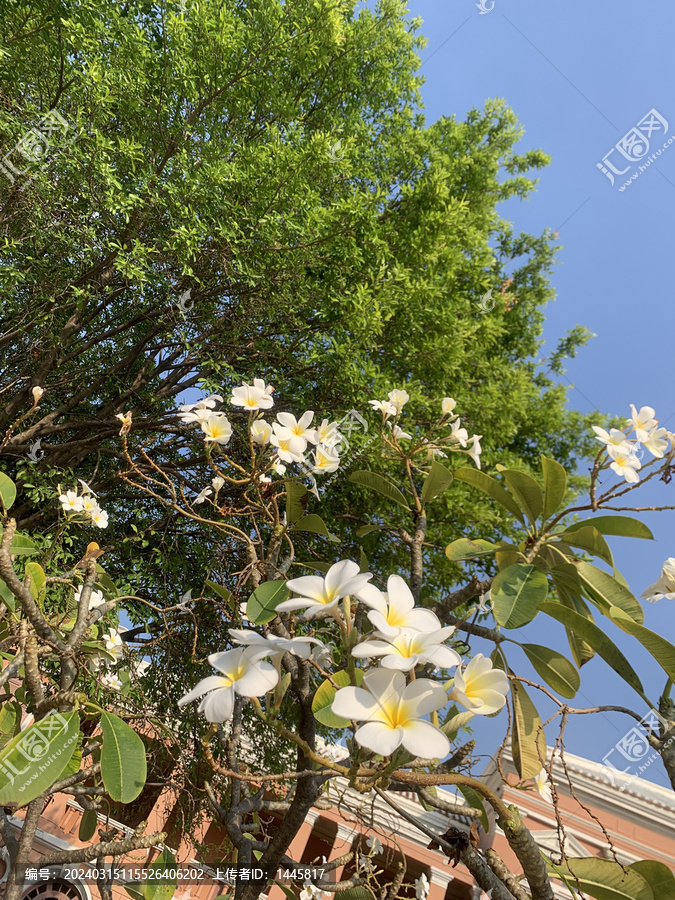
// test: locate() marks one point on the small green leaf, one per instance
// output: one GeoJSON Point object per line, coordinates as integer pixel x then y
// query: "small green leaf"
{"type": "Point", "coordinates": [22, 545]}
{"type": "Point", "coordinates": [218, 589]}
{"type": "Point", "coordinates": [475, 800]}
{"type": "Point", "coordinates": [661, 649]}
{"type": "Point", "coordinates": [527, 734]}
{"type": "Point", "coordinates": [7, 596]}
{"type": "Point", "coordinates": [526, 491]}
{"type": "Point", "coordinates": [123, 762]}
{"type": "Point", "coordinates": [297, 497]}
{"type": "Point", "coordinates": [436, 481]}
{"type": "Point", "coordinates": [377, 483]}
{"type": "Point", "coordinates": [589, 539]}
{"type": "Point", "coordinates": [323, 699]}
{"type": "Point", "coordinates": [262, 604]}
{"type": "Point", "coordinates": [556, 670]}
{"type": "Point", "coordinates": [491, 487]}
{"type": "Point", "coordinates": [603, 879]}
{"type": "Point", "coordinates": [463, 548]}
{"type": "Point", "coordinates": [620, 526]}
{"type": "Point", "coordinates": [516, 595]}
{"type": "Point", "coordinates": [368, 529]}
{"type": "Point", "coordinates": [36, 758]}
{"type": "Point", "coordinates": [316, 525]}
{"type": "Point", "coordinates": [314, 566]}
{"type": "Point", "coordinates": [38, 579]}
{"type": "Point", "coordinates": [555, 485]}
{"type": "Point", "coordinates": [10, 721]}
{"type": "Point", "coordinates": [88, 825]}
{"type": "Point", "coordinates": [7, 491]}
{"type": "Point", "coordinates": [606, 591]}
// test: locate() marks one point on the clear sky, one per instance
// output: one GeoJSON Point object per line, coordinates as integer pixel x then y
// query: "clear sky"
{"type": "Point", "coordinates": [580, 76]}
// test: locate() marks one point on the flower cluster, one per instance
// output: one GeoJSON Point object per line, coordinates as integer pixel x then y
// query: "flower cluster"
{"type": "Point", "coordinates": [664, 586]}
{"type": "Point", "coordinates": [456, 440]}
{"type": "Point", "coordinates": [85, 502]}
{"type": "Point", "coordinates": [625, 451]}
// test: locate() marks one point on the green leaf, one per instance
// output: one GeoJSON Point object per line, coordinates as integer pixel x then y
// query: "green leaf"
{"type": "Point", "coordinates": [603, 879]}
{"type": "Point", "coordinates": [597, 639]}
{"type": "Point", "coordinates": [218, 589]}
{"type": "Point", "coordinates": [10, 721]}
{"type": "Point", "coordinates": [527, 734]}
{"type": "Point", "coordinates": [160, 884]}
{"type": "Point", "coordinates": [621, 526]}
{"type": "Point", "coordinates": [368, 529]}
{"type": "Point", "coordinates": [123, 763]}
{"type": "Point", "coordinates": [555, 485]}
{"type": "Point", "coordinates": [474, 799]}
{"type": "Point", "coordinates": [36, 758]}
{"type": "Point", "coordinates": [661, 649]}
{"type": "Point", "coordinates": [605, 591]}
{"type": "Point", "coordinates": [22, 545]}
{"type": "Point", "coordinates": [38, 579]}
{"type": "Point", "coordinates": [377, 483]}
{"type": "Point", "coordinates": [436, 481]}
{"type": "Point", "coordinates": [658, 876]}
{"type": "Point", "coordinates": [581, 651]}
{"type": "Point", "coordinates": [297, 497]}
{"type": "Point", "coordinates": [7, 596]}
{"type": "Point", "coordinates": [556, 670]}
{"type": "Point", "coordinates": [323, 699]}
{"type": "Point", "coordinates": [73, 766]}
{"type": "Point", "coordinates": [355, 893]}
{"type": "Point", "coordinates": [526, 491]}
{"type": "Point", "coordinates": [316, 525]}
{"type": "Point", "coordinates": [589, 539]}
{"type": "Point", "coordinates": [314, 566]}
{"type": "Point", "coordinates": [463, 548]}
{"type": "Point", "coordinates": [7, 491]}
{"type": "Point", "coordinates": [262, 604]}
{"type": "Point", "coordinates": [88, 825]}
{"type": "Point", "coordinates": [516, 594]}
{"type": "Point", "coordinates": [491, 487]}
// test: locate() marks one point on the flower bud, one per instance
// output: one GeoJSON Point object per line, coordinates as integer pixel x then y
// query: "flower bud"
{"type": "Point", "coordinates": [37, 393]}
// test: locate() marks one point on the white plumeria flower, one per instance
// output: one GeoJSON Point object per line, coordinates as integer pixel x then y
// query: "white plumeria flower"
{"type": "Point", "coordinates": [325, 461]}
{"type": "Point", "coordinates": [251, 397]}
{"type": "Point", "coordinates": [89, 504]}
{"type": "Point", "coordinates": [448, 405]}
{"type": "Point", "coordinates": [202, 495]}
{"type": "Point", "coordinates": [267, 390]}
{"type": "Point", "coordinates": [95, 599]}
{"type": "Point", "coordinates": [664, 587]}
{"type": "Point", "coordinates": [243, 672]}
{"type": "Point", "coordinates": [374, 844]}
{"type": "Point", "coordinates": [278, 467]}
{"type": "Point", "coordinates": [111, 681]}
{"type": "Point", "coordinates": [327, 434]}
{"type": "Point", "coordinates": [217, 428]}
{"type": "Point", "coordinates": [85, 488]}
{"type": "Point", "coordinates": [273, 645]}
{"type": "Point", "coordinates": [142, 667]}
{"type": "Point", "coordinates": [396, 608]}
{"type": "Point", "coordinates": [264, 479]}
{"type": "Point", "coordinates": [642, 421]}
{"type": "Point", "coordinates": [363, 864]}
{"type": "Point", "coordinates": [625, 464]}
{"type": "Point", "coordinates": [613, 437]}
{"type": "Point", "coordinates": [37, 393]}
{"type": "Point", "coordinates": [385, 406]}
{"type": "Point", "coordinates": [204, 403]}
{"type": "Point", "coordinates": [480, 688]}
{"type": "Point", "coordinates": [320, 596]}
{"type": "Point", "coordinates": [311, 892]}
{"type": "Point", "coordinates": [459, 434]}
{"type": "Point", "coordinates": [217, 483]}
{"type": "Point", "coordinates": [475, 450]}
{"type": "Point", "coordinates": [393, 712]}
{"type": "Point", "coordinates": [261, 431]}
{"type": "Point", "coordinates": [71, 502]}
{"type": "Point", "coordinates": [542, 785]}
{"type": "Point", "coordinates": [322, 654]}
{"type": "Point", "coordinates": [398, 399]}
{"type": "Point", "coordinates": [99, 517]}
{"type": "Point", "coordinates": [198, 414]}
{"type": "Point", "coordinates": [398, 432]}
{"type": "Point", "coordinates": [656, 442]}
{"type": "Point", "coordinates": [403, 648]}
{"type": "Point", "coordinates": [299, 427]}
{"type": "Point", "coordinates": [113, 643]}
{"type": "Point", "coordinates": [290, 447]}
{"type": "Point", "coordinates": [421, 887]}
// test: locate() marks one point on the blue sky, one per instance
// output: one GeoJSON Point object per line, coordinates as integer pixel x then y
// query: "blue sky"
{"type": "Point", "coordinates": [580, 76]}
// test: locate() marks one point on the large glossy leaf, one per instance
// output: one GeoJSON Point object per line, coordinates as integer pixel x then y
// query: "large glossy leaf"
{"type": "Point", "coordinates": [297, 497]}
{"type": "Point", "coordinates": [123, 762]}
{"type": "Point", "coordinates": [556, 670]}
{"type": "Point", "coordinates": [581, 651]}
{"type": "Point", "coordinates": [590, 540]}
{"type": "Point", "coordinates": [526, 491]}
{"type": "Point", "coordinates": [383, 486]}
{"type": "Point", "coordinates": [597, 639]}
{"type": "Point", "coordinates": [606, 591]}
{"type": "Point", "coordinates": [36, 758]}
{"type": "Point", "coordinates": [555, 485]}
{"type": "Point", "coordinates": [436, 481]}
{"type": "Point", "coordinates": [316, 525]}
{"type": "Point", "coordinates": [491, 487]}
{"type": "Point", "coordinates": [262, 604]}
{"type": "Point", "coordinates": [323, 699]}
{"type": "Point", "coordinates": [527, 734]}
{"type": "Point", "coordinates": [7, 491]}
{"type": "Point", "coordinates": [658, 876]}
{"type": "Point", "coordinates": [603, 879]}
{"type": "Point", "coordinates": [621, 526]}
{"type": "Point", "coordinates": [661, 649]}
{"type": "Point", "coordinates": [463, 548]}
{"type": "Point", "coordinates": [516, 594]}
